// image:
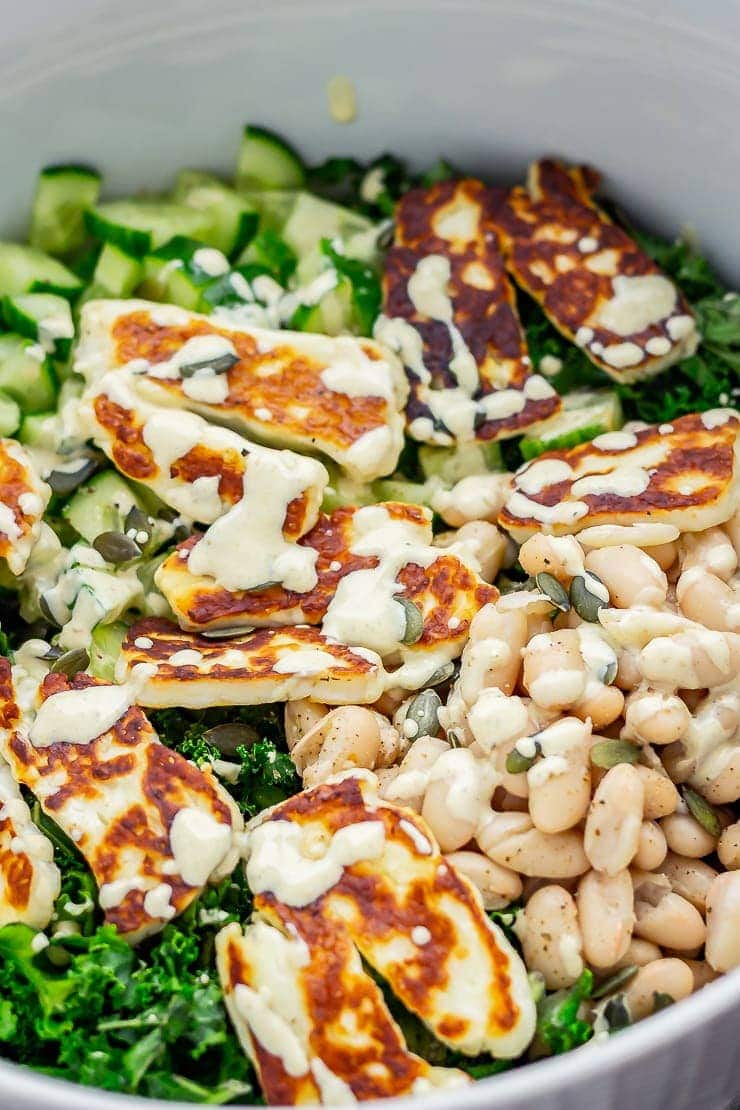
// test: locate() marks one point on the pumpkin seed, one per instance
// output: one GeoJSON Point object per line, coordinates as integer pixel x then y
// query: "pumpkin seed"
{"type": "Point", "coordinates": [585, 603]}
{"type": "Point", "coordinates": [550, 586]}
{"type": "Point", "coordinates": [424, 710]}
{"type": "Point", "coordinates": [64, 482]}
{"type": "Point", "coordinates": [414, 628]}
{"type": "Point", "coordinates": [219, 365]}
{"type": "Point", "coordinates": [608, 753]}
{"type": "Point", "coordinates": [616, 1014]}
{"type": "Point", "coordinates": [46, 612]}
{"type": "Point", "coordinates": [661, 1000]}
{"type": "Point", "coordinates": [53, 653]}
{"type": "Point", "coordinates": [71, 663]}
{"type": "Point", "coordinates": [702, 811]}
{"type": "Point", "coordinates": [228, 737]}
{"type": "Point", "coordinates": [614, 981]}
{"type": "Point", "coordinates": [442, 674]}
{"type": "Point", "coordinates": [116, 547]}
{"type": "Point", "coordinates": [138, 522]}
{"type": "Point", "coordinates": [609, 673]}
{"type": "Point", "coordinates": [517, 762]}
{"type": "Point", "coordinates": [385, 236]}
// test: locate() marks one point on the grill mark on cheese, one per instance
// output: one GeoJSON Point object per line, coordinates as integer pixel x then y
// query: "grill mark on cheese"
{"type": "Point", "coordinates": [29, 878]}
{"type": "Point", "coordinates": [451, 222]}
{"type": "Point", "coordinates": [592, 280]}
{"type": "Point", "coordinates": [23, 499]}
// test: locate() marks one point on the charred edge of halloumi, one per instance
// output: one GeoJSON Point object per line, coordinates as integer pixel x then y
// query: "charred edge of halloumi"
{"type": "Point", "coordinates": [23, 501]}
{"type": "Point", "coordinates": [594, 283]}
{"type": "Point", "coordinates": [153, 827]}
{"type": "Point", "coordinates": [450, 310]}
{"type": "Point", "coordinates": [433, 943]}
{"type": "Point", "coordinates": [268, 665]}
{"type": "Point", "coordinates": [341, 395]}
{"type": "Point", "coordinates": [683, 474]}
{"type": "Point", "coordinates": [29, 879]}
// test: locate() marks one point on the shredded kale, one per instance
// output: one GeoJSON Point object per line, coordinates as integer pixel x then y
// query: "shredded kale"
{"type": "Point", "coordinates": [559, 1028]}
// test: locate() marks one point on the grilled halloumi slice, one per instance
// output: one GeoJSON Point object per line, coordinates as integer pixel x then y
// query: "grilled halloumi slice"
{"type": "Point", "coordinates": [153, 827]}
{"type": "Point", "coordinates": [29, 878]}
{"type": "Point", "coordinates": [450, 312]}
{"type": "Point", "coordinates": [685, 474]}
{"type": "Point", "coordinates": [23, 500]}
{"type": "Point", "coordinates": [267, 665]}
{"type": "Point", "coordinates": [336, 868]}
{"type": "Point", "coordinates": [381, 585]}
{"type": "Point", "coordinates": [340, 396]}
{"type": "Point", "coordinates": [592, 280]}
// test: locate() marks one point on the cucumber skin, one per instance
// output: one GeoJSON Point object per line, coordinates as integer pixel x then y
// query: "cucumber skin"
{"type": "Point", "coordinates": [533, 448]}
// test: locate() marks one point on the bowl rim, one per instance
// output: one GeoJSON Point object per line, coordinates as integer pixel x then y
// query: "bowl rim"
{"type": "Point", "coordinates": [713, 1001]}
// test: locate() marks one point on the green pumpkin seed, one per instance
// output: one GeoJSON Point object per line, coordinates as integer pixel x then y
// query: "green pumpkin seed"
{"type": "Point", "coordinates": [414, 629]}
{"type": "Point", "coordinates": [228, 737]}
{"type": "Point", "coordinates": [64, 482]}
{"type": "Point", "coordinates": [585, 603]}
{"type": "Point", "coordinates": [608, 753]}
{"type": "Point", "coordinates": [609, 673]}
{"type": "Point", "coordinates": [53, 653]}
{"type": "Point", "coordinates": [138, 522]}
{"type": "Point", "coordinates": [702, 811]}
{"type": "Point", "coordinates": [71, 663]}
{"type": "Point", "coordinates": [219, 365]}
{"type": "Point", "coordinates": [46, 612]}
{"type": "Point", "coordinates": [116, 547]}
{"type": "Point", "coordinates": [616, 1014]}
{"type": "Point", "coordinates": [614, 981]}
{"type": "Point", "coordinates": [517, 762]}
{"type": "Point", "coordinates": [442, 674]}
{"type": "Point", "coordinates": [550, 586]}
{"type": "Point", "coordinates": [423, 710]}
{"type": "Point", "coordinates": [661, 1000]}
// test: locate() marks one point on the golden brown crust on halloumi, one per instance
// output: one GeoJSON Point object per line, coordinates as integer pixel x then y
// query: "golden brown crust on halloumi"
{"type": "Point", "coordinates": [29, 878]}
{"type": "Point", "coordinates": [23, 499]}
{"type": "Point", "coordinates": [447, 592]}
{"type": "Point", "coordinates": [280, 389]}
{"type": "Point", "coordinates": [266, 665]}
{"type": "Point", "coordinates": [412, 917]}
{"type": "Point", "coordinates": [452, 221]}
{"type": "Point", "coordinates": [592, 280]}
{"type": "Point", "coordinates": [684, 474]}
{"type": "Point", "coordinates": [118, 797]}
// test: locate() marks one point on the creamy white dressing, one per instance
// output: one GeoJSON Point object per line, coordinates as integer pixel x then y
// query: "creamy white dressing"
{"type": "Point", "coordinates": [198, 844]}
{"type": "Point", "coordinates": [637, 303]}
{"type": "Point", "coordinates": [311, 661]}
{"type": "Point", "coordinates": [79, 716]}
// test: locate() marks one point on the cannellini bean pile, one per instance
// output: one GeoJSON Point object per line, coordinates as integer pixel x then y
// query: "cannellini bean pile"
{"type": "Point", "coordinates": [586, 761]}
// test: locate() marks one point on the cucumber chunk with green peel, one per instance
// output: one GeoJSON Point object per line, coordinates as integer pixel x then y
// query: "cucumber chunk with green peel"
{"type": "Point", "coordinates": [585, 414]}
{"type": "Point", "coordinates": [117, 271]}
{"type": "Point", "coordinates": [10, 415]}
{"type": "Point", "coordinates": [42, 317]}
{"type": "Point", "coordinates": [269, 251]}
{"type": "Point", "coordinates": [26, 373]}
{"type": "Point", "coordinates": [105, 649]}
{"type": "Point", "coordinates": [181, 270]}
{"type": "Point", "coordinates": [63, 194]}
{"type": "Point", "coordinates": [39, 429]}
{"type": "Point", "coordinates": [411, 493]}
{"type": "Point", "coordinates": [140, 226]}
{"type": "Point", "coordinates": [273, 206]}
{"type": "Point", "coordinates": [451, 464]}
{"type": "Point", "coordinates": [233, 220]}
{"type": "Point", "coordinates": [312, 219]}
{"type": "Point", "coordinates": [342, 490]}
{"type": "Point", "coordinates": [332, 315]}
{"type": "Point", "coordinates": [100, 505]}
{"type": "Point", "coordinates": [266, 161]}
{"type": "Point", "coordinates": [28, 270]}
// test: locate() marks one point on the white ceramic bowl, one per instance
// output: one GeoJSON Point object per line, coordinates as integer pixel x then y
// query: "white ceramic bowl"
{"type": "Point", "coordinates": [648, 90]}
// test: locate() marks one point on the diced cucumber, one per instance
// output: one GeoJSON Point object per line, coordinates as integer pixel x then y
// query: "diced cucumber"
{"type": "Point", "coordinates": [63, 193]}
{"type": "Point", "coordinates": [181, 270]}
{"type": "Point", "coordinates": [233, 220]}
{"type": "Point", "coordinates": [271, 253]}
{"type": "Point", "coordinates": [27, 270]}
{"type": "Point", "coordinates": [266, 161]}
{"type": "Point", "coordinates": [100, 505]}
{"type": "Point", "coordinates": [117, 271]}
{"type": "Point", "coordinates": [342, 490]}
{"type": "Point", "coordinates": [105, 649]}
{"type": "Point", "coordinates": [40, 429]}
{"type": "Point", "coordinates": [272, 205]}
{"type": "Point", "coordinates": [333, 315]}
{"type": "Point", "coordinates": [365, 284]}
{"type": "Point", "coordinates": [450, 464]}
{"type": "Point", "coordinates": [412, 493]}
{"type": "Point", "coordinates": [10, 415]}
{"type": "Point", "coordinates": [585, 414]}
{"type": "Point", "coordinates": [140, 226]}
{"type": "Point", "coordinates": [312, 219]}
{"type": "Point", "coordinates": [43, 317]}
{"type": "Point", "coordinates": [26, 374]}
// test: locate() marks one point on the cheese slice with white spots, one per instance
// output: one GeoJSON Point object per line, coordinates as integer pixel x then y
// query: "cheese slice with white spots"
{"type": "Point", "coordinates": [335, 871]}
{"type": "Point", "coordinates": [450, 312]}
{"type": "Point", "coordinates": [23, 501]}
{"type": "Point", "coordinates": [153, 828]}
{"type": "Point", "coordinates": [266, 665]}
{"type": "Point", "coordinates": [684, 474]}
{"type": "Point", "coordinates": [341, 396]}
{"type": "Point", "coordinates": [29, 878]}
{"type": "Point", "coordinates": [380, 585]}
{"type": "Point", "coordinates": [592, 280]}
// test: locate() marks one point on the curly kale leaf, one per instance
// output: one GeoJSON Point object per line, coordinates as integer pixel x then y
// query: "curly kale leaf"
{"type": "Point", "coordinates": [559, 1028]}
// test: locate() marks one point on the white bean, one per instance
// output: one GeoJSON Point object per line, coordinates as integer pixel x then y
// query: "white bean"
{"type": "Point", "coordinates": [554, 674]}
{"type": "Point", "coordinates": [711, 549]}
{"type": "Point", "coordinates": [723, 922]}
{"type": "Point", "coordinates": [347, 737]}
{"type": "Point", "coordinates": [671, 976]}
{"type": "Point", "coordinates": [639, 952]}
{"type": "Point", "coordinates": [655, 717]}
{"type": "Point", "coordinates": [551, 937]}
{"type": "Point", "coordinates": [630, 574]}
{"type": "Point", "coordinates": [705, 598]}
{"type": "Point", "coordinates": [457, 797]}
{"type": "Point", "coordinates": [560, 783]}
{"type": "Point", "coordinates": [300, 717]}
{"type": "Point", "coordinates": [498, 886]}
{"type": "Point", "coordinates": [492, 657]}
{"type": "Point", "coordinates": [685, 836]}
{"type": "Point", "coordinates": [702, 973]}
{"type": "Point", "coordinates": [661, 796]}
{"type": "Point", "coordinates": [691, 878]}
{"type": "Point", "coordinates": [612, 833]}
{"type": "Point", "coordinates": [728, 847]}
{"type": "Point", "coordinates": [512, 840]}
{"type": "Point", "coordinates": [652, 847]}
{"type": "Point", "coordinates": [606, 916]}
{"type": "Point", "coordinates": [672, 923]}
